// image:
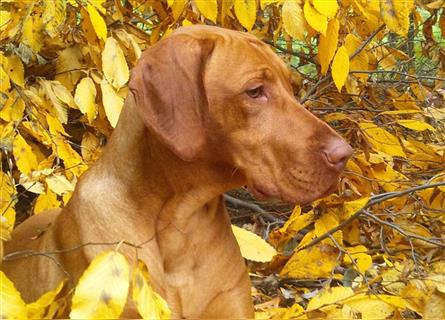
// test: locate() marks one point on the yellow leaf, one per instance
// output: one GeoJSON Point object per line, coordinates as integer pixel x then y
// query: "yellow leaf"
{"type": "Point", "coordinates": [178, 7]}
{"type": "Point", "coordinates": [39, 308]}
{"type": "Point", "coordinates": [328, 45]}
{"type": "Point", "coordinates": [5, 84]}
{"type": "Point", "coordinates": [46, 201]}
{"type": "Point", "coordinates": [98, 22]}
{"type": "Point", "coordinates": [315, 262]}
{"type": "Point", "coordinates": [340, 67]}
{"type": "Point", "coordinates": [439, 281]}
{"type": "Point", "coordinates": [400, 112]}
{"type": "Point", "coordinates": [295, 312]}
{"type": "Point", "coordinates": [265, 3]}
{"type": "Point", "coordinates": [245, 11]}
{"type": "Point", "coordinates": [329, 296]}
{"type": "Point", "coordinates": [293, 19]}
{"type": "Point", "coordinates": [7, 201]}
{"type": "Point", "coordinates": [112, 102]}
{"type": "Point", "coordinates": [382, 140]}
{"type": "Point", "coordinates": [103, 288]}
{"type": "Point", "coordinates": [84, 98]}
{"type": "Point", "coordinates": [315, 19]}
{"type": "Point", "coordinates": [395, 14]}
{"type": "Point", "coordinates": [68, 67]}
{"type": "Point", "coordinates": [72, 160]}
{"type": "Point", "coordinates": [392, 280]}
{"type": "Point", "coordinates": [55, 126]}
{"type": "Point", "coordinates": [90, 147]}
{"type": "Point", "coordinates": [370, 307]}
{"type": "Point", "coordinates": [351, 207]}
{"type": "Point", "coordinates": [59, 184]}
{"type": "Point", "coordinates": [5, 233]}
{"type": "Point", "coordinates": [370, 10]}
{"type": "Point", "coordinates": [295, 223]}
{"type": "Point", "coordinates": [31, 182]}
{"type": "Point", "coordinates": [252, 246]}
{"type": "Point", "coordinates": [7, 198]}
{"type": "Point", "coordinates": [16, 71]}
{"type": "Point", "coordinates": [360, 256]}
{"type": "Point", "coordinates": [12, 304]}
{"type": "Point", "coordinates": [326, 222]}
{"type": "Point", "coordinates": [435, 113]}
{"type": "Point", "coordinates": [5, 17]}
{"type": "Point", "coordinates": [395, 301]}
{"type": "Point", "coordinates": [208, 8]}
{"type": "Point", "coordinates": [25, 159]}
{"type": "Point", "coordinates": [61, 111]}
{"type": "Point", "coordinates": [150, 305]}
{"type": "Point", "coordinates": [416, 125]}
{"type": "Point", "coordinates": [98, 4]}
{"type": "Point", "coordinates": [31, 32]}
{"type": "Point", "coordinates": [114, 65]}
{"type": "Point", "coordinates": [435, 307]}
{"type": "Point", "coordinates": [388, 178]}
{"type": "Point", "coordinates": [54, 14]}
{"type": "Point", "coordinates": [360, 61]}
{"type": "Point", "coordinates": [63, 94]}
{"type": "Point", "coordinates": [326, 7]}
{"type": "Point", "coordinates": [13, 109]}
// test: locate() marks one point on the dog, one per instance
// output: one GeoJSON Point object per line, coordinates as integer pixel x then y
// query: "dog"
{"type": "Point", "coordinates": [208, 110]}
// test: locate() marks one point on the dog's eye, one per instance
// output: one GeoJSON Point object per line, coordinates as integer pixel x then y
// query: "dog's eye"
{"type": "Point", "coordinates": [255, 92]}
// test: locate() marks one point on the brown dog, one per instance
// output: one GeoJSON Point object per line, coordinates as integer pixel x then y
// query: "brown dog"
{"type": "Point", "coordinates": [209, 110]}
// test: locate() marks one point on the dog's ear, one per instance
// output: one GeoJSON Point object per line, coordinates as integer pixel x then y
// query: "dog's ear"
{"type": "Point", "coordinates": [168, 87]}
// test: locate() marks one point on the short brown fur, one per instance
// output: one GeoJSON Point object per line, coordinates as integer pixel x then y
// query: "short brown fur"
{"type": "Point", "coordinates": [188, 132]}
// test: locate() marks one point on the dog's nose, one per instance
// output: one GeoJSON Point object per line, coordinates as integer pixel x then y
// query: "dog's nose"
{"type": "Point", "coordinates": [337, 153]}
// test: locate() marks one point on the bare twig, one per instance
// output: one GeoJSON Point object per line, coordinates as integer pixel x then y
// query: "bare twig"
{"type": "Point", "coordinates": [285, 50]}
{"type": "Point", "coordinates": [31, 253]}
{"type": "Point", "coordinates": [398, 73]}
{"type": "Point", "coordinates": [366, 42]}
{"type": "Point", "coordinates": [253, 207]}
{"type": "Point", "coordinates": [373, 201]}
{"type": "Point", "coordinates": [401, 231]}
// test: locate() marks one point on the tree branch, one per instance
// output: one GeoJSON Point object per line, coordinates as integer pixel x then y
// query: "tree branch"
{"type": "Point", "coordinates": [253, 207]}
{"type": "Point", "coordinates": [328, 76]}
{"type": "Point", "coordinates": [372, 201]}
{"type": "Point", "coordinates": [397, 72]}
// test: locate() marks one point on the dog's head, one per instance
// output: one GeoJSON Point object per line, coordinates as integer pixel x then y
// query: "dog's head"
{"type": "Point", "coordinates": [225, 97]}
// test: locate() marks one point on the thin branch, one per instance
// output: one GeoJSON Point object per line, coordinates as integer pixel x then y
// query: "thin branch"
{"type": "Point", "coordinates": [31, 253]}
{"type": "Point", "coordinates": [397, 72]}
{"type": "Point", "coordinates": [372, 201]}
{"type": "Point", "coordinates": [328, 76]}
{"type": "Point", "coordinates": [285, 50]}
{"type": "Point", "coordinates": [253, 207]}
{"type": "Point", "coordinates": [366, 42]}
{"type": "Point", "coordinates": [401, 231]}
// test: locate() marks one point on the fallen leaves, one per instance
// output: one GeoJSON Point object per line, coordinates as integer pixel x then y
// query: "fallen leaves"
{"type": "Point", "coordinates": [102, 289]}
{"type": "Point", "coordinates": [312, 263]}
{"type": "Point", "coordinates": [252, 246]}
{"type": "Point", "coordinates": [64, 69]}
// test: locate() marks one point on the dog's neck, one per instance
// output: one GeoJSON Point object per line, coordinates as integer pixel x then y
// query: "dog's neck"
{"type": "Point", "coordinates": [149, 184]}
{"type": "Point", "coordinates": [148, 169]}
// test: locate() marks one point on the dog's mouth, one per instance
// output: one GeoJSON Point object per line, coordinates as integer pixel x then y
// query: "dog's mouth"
{"type": "Point", "coordinates": [263, 193]}
{"type": "Point", "coordinates": [259, 192]}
